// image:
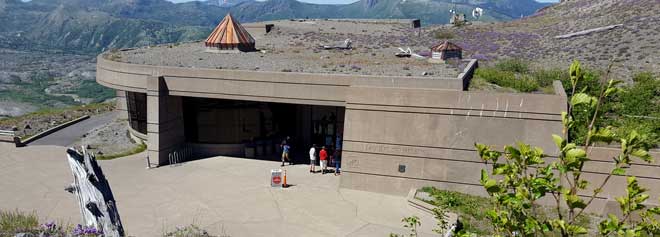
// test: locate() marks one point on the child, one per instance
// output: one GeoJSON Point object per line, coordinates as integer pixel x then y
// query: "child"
{"type": "Point", "coordinates": [323, 156]}
{"type": "Point", "coordinates": [312, 159]}
{"type": "Point", "coordinates": [285, 154]}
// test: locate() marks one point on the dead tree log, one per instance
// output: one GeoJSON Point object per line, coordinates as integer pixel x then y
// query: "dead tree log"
{"type": "Point", "coordinates": [589, 31]}
{"type": "Point", "coordinates": [92, 190]}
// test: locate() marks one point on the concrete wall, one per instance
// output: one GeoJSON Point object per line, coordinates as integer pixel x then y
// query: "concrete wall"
{"type": "Point", "coordinates": [280, 87]}
{"type": "Point", "coordinates": [432, 133]}
{"type": "Point", "coordinates": [164, 121]}
{"type": "Point", "coordinates": [121, 106]}
{"type": "Point", "coordinates": [429, 126]}
{"type": "Point", "coordinates": [466, 75]}
{"type": "Point", "coordinates": [602, 163]}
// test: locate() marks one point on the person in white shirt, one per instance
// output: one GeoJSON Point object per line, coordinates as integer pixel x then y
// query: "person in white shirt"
{"type": "Point", "coordinates": [312, 159]}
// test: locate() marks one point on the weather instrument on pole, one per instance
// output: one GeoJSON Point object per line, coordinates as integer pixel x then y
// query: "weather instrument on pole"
{"type": "Point", "coordinates": [477, 12]}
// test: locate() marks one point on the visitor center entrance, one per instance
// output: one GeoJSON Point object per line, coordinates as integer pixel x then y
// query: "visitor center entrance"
{"type": "Point", "coordinates": [256, 129]}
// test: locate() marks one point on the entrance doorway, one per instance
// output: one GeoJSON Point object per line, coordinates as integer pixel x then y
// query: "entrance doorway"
{"type": "Point", "coordinates": [327, 126]}
{"type": "Point", "coordinates": [257, 129]}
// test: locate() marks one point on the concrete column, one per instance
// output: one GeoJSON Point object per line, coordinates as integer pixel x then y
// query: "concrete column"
{"type": "Point", "coordinates": [121, 107]}
{"type": "Point", "coordinates": [164, 122]}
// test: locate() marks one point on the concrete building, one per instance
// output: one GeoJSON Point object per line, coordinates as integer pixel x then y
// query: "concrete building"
{"type": "Point", "coordinates": [400, 123]}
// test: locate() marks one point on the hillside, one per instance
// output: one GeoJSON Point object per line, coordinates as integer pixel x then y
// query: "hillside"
{"type": "Point", "coordinates": [86, 26]}
{"type": "Point", "coordinates": [635, 46]}
{"type": "Point", "coordinates": [92, 26]}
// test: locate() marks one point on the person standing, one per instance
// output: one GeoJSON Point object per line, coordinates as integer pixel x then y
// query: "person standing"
{"type": "Point", "coordinates": [323, 156]}
{"type": "Point", "coordinates": [312, 159]}
{"type": "Point", "coordinates": [337, 159]}
{"type": "Point", "coordinates": [285, 154]}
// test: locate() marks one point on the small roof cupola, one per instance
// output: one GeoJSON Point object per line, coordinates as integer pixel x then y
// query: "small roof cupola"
{"type": "Point", "coordinates": [446, 50]}
{"type": "Point", "coordinates": [229, 35]}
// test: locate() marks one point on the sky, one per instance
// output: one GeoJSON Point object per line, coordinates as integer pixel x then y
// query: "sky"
{"type": "Point", "coordinates": [340, 1]}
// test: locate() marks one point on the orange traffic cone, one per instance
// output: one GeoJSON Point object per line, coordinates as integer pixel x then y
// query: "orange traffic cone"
{"type": "Point", "coordinates": [284, 185]}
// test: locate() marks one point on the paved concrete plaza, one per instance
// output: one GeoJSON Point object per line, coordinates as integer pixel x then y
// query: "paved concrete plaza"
{"type": "Point", "coordinates": [226, 196]}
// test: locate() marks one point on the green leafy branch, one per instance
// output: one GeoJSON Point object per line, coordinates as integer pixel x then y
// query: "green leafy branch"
{"type": "Point", "coordinates": [519, 180]}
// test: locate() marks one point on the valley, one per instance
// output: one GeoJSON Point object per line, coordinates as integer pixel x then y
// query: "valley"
{"type": "Point", "coordinates": [36, 80]}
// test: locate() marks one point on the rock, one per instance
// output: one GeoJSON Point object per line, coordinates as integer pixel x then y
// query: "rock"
{"type": "Point", "coordinates": [24, 235]}
{"type": "Point", "coordinates": [27, 126]}
{"type": "Point", "coordinates": [424, 196]}
{"type": "Point", "coordinates": [14, 128]}
{"type": "Point", "coordinates": [425, 73]}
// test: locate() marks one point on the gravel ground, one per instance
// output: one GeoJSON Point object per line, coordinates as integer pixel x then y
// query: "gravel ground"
{"type": "Point", "coordinates": [112, 138]}
{"type": "Point", "coordinates": [294, 47]}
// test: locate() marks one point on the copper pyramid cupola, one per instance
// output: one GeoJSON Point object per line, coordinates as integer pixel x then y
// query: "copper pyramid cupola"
{"type": "Point", "coordinates": [230, 35]}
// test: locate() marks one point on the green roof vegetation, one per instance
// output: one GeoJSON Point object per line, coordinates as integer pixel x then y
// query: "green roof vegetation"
{"type": "Point", "coordinates": [514, 75]}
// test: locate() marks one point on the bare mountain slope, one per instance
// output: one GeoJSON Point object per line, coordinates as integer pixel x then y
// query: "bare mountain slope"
{"type": "Point", "coordinates": [91, 26]}
{"type": "Point", "coordinates": [635, 45]}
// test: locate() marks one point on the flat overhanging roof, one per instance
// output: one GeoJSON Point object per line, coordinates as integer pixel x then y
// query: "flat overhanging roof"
{"type": "Point", "coordinates": [294, 46]}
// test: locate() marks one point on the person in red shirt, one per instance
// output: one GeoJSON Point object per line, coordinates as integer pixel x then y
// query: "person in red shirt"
{"type": "Point", "coordinates": [323, 156]}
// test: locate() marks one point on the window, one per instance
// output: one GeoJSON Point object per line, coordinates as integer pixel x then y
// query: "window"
{"type": "Point", "coordinates": [137, 111]}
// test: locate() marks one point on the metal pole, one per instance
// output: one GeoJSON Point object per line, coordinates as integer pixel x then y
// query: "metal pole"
{"type": "Point", "coordinates": [148, 162]}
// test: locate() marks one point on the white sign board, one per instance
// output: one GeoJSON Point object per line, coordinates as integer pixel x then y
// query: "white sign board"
{"type": "Point", "coordinates": [276, 178]}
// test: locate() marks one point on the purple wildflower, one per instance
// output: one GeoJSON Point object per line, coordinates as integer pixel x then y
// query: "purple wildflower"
{"type": "Point", "coordinates": [78, 230]}
{"type": "Point", "coordinates": [86, 231]}
{"type": "Point", "coordinates": [49, 225]}
{"type": "Point", "coordinates": [480, 57]}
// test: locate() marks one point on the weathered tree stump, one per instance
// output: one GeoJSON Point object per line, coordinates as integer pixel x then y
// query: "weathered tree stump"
{"type": "Point", "coordinates": [97, 204]}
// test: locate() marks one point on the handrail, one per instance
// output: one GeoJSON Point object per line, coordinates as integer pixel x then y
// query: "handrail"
{"type": "Point", "coordinates": [8, 133]}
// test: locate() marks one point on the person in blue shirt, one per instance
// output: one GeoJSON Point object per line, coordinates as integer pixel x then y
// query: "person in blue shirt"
{"type": "Point", "coordinates": [285, 153]}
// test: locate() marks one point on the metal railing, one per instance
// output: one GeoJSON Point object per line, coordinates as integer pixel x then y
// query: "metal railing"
{"type": "Point", "coordinates": [180, 154]}
{"type": "Point", "coordinates": [9, 136]}
{"type": "Point", "coordinates": [7, 133]}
